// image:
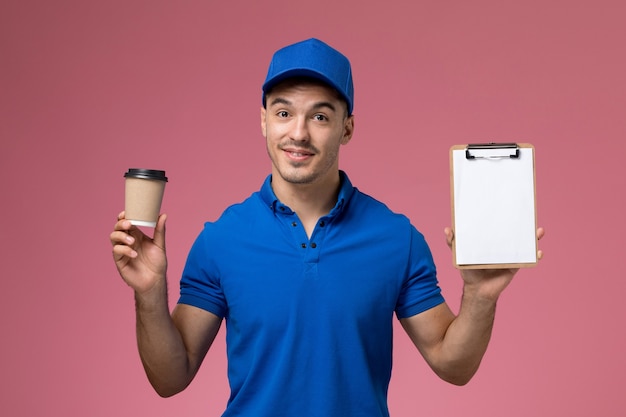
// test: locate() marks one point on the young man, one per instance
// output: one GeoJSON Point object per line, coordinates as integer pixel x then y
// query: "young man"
{"type": "Point", "coordinates": [307, 272]}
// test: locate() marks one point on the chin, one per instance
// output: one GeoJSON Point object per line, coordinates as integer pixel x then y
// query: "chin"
{"type": "Point", "coordinates": [298, 177]}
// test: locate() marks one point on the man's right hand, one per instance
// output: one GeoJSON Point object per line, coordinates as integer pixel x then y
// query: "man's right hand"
{"type": "Point", "coordinates": [140, 260]}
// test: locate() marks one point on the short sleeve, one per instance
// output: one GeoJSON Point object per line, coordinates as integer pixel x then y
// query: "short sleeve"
{"type": "Point", "coordinates": [200, 282]}
{"type": "Point", "coordinates": [420, 290]}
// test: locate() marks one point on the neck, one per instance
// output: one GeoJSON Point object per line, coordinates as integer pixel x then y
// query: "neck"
{"type": "Point", "coordinates": [309, 201]}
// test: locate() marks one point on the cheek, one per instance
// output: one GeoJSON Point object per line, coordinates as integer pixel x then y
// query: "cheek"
{"type": "Point", "coordinates": [277, 133]}
{"type": "Point", "coordinates": [270, 130]}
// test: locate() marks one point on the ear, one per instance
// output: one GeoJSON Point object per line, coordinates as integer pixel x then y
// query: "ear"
{"type": "Point", "coordinates": [348, 130]}
{"type": "Point", "coordinates": [263, 123]}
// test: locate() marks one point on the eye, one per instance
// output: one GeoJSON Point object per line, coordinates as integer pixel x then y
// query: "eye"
{"type": "Point", "coordinates": [282, 113]}
{"type": "Point", "coordinates": [320, 118]}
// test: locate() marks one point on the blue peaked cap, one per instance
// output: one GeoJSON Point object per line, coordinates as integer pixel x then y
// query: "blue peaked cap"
{"type": "Point", "coordinates": [312, 58]}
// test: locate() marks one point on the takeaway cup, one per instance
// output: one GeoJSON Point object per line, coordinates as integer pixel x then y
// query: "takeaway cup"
{"type": "Point", "coordinates": [144, 194]}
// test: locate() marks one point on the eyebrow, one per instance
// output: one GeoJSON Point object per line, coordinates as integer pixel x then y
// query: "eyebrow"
{"type": "Point", "coordinates": [316, 106]}
{"type": "Point", "coordinates": [280, 100]}
{"type": "Point", "coordinates": [321, 104]}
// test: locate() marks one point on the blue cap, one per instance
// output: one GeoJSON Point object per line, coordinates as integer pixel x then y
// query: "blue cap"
{"type": "Point", "coordinates": [312, 58]}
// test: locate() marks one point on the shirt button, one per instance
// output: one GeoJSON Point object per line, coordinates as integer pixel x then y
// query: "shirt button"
{"type": "Point", "coordinates": [294, 224]}
{"type": "Point", "coordinates": [313, 245]}
{"type": "Point", "coordinates": [304, 246]}
{"type": "Point", "coordinates": [322, 224]}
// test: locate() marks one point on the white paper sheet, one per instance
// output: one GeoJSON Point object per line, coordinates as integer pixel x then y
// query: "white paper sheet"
{"type": "Point", "coordinates": [494, 208]}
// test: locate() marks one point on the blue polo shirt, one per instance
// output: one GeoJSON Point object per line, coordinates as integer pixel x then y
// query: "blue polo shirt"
{"type": "Point", "coordinates": [309, 321]}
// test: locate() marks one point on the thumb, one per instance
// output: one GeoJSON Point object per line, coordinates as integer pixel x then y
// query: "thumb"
{"type": "Point", "coordinates": [159, 232]}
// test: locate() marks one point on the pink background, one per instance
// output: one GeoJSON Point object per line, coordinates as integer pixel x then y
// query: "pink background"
{"type": "Point", "coordinates": [89, 89]}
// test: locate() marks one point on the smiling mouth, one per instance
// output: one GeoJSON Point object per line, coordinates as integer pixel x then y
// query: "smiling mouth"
{"type": "Point", "coordinates": [298, 153]}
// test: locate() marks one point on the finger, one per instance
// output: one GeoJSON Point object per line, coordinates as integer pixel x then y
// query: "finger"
{"type": "Point", "coordinates": [449, 236]}
{"type": "Point", "coordinates": [124, 225]}
{"type": "Point", "coordinates": [540, 232]}
{"type": "Point", "coordinates": [121, 215]}
{"type": "Point", "coordinates": [121, 238]}
{"type": "Point", "coordinates": [159, 231]}
{"type": "Point", "coordinates": [121, 251]}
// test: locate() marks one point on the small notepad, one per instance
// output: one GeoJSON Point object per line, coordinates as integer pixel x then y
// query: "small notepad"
{"type": "Point", "coordinates": [493, 205]}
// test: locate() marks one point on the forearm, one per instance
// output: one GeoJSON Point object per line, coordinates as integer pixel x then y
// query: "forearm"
{"type": "Point", "coordinates": [160, 344]}
{"type": "Point", "coordinates": [454, 345]}
{"type": "Point", "coordinates": [466, 339]}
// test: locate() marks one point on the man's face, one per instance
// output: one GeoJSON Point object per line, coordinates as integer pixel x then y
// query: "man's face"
{"type": "Point", "coordinates": [304, 124]}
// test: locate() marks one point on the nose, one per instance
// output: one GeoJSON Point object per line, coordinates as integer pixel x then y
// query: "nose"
{"type": "Point", "coordinates": [299, 130]}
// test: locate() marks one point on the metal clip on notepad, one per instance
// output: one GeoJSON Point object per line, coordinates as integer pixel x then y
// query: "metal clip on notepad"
{"type": "Point", "coordinates": [492, 151]}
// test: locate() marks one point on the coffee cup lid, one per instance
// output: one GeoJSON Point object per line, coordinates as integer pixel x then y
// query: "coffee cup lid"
{"type": "Point", "coordinates": [148, 174]}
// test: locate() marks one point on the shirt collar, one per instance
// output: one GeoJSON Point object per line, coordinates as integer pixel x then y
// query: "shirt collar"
{"type": "Point", "coordinates": [269, 198]}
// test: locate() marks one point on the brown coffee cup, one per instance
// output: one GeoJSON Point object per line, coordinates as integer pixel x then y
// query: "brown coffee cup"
{"type": "Point", "coordinates": [144, 195]}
